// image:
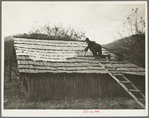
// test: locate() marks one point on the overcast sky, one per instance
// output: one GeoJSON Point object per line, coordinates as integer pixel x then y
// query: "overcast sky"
{"type": "Point", "coordinates": [100, 20]}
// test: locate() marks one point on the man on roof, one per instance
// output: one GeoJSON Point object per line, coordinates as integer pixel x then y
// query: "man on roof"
{"type": "Point", "coordinates": [95, 48]}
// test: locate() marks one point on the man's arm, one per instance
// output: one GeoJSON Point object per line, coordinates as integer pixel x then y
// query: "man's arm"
{"type": "Point", "coordinates": [88, 46]}
{"type": "Point", "coordinates": [86, 49]}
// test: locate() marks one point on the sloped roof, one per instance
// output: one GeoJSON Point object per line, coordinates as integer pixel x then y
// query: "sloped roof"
{"type": "Point", "coordinates": [55, 56]}
{"type": "Point", "coordinates": [42, 56]}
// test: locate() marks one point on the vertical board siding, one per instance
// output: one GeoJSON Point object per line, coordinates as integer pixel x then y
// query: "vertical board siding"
{"type": "Point", "coordinates": [57, 86]}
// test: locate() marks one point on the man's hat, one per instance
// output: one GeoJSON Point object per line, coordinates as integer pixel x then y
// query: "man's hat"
{"type": "Point", "coordinates": [87, 39]}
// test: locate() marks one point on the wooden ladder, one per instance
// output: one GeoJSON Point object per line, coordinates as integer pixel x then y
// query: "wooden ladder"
{"type": "Point", "coordinates": [130, 88]}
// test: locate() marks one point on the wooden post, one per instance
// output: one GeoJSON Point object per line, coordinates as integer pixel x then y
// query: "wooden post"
{"type": "Point", "coordinates": [10, 69]}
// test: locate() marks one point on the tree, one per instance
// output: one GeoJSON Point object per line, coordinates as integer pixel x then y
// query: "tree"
{"type": "Point", "coordinates": [136, 23]}
{"type": "Point", "coordinates": [55, 32]}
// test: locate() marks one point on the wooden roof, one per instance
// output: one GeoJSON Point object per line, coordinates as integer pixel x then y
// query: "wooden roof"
{"type": "Point", "coordinates": [55, 56]}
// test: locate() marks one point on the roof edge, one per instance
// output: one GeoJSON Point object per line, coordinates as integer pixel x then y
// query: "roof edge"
{"type": "Point", "coordinates": [44, 38]}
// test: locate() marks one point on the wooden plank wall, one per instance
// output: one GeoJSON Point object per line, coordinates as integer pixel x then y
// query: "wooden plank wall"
{"type": "Point", "coordinates": [57, 86]}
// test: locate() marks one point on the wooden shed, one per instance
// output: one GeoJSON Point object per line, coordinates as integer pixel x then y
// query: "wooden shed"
{"type": "Point", "coordinates": [53, 69]}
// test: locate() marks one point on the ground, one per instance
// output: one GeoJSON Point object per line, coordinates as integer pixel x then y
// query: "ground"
{"type": "Point", "coordinates": [15, 99]}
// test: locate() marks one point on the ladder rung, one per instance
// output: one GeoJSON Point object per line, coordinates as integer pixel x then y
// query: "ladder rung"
{"type": "Point", "coordinates": [117, 74]}
{"type": "Point", "coordinates": [134, 90]}
{"type": "Point", "coordinates": [141, 99]}
{"type": "Point", "coordinates": [125, 82]}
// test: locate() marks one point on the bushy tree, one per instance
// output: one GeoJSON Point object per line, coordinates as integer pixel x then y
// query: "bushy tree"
{"type": "Point", "coordinates": [56, 32]}
{"type": "Point", "coordinates": [59, 31]}
{"type": "Point", "coordinates": [136, 23]}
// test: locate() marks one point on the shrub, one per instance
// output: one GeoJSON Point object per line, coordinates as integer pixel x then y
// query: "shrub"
{"type": "Point", "coordinates": [133, 48]}
{"type": "Point", "coordinates": [54, 32]}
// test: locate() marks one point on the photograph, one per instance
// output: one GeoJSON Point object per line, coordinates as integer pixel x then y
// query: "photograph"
{"type": "Point", "coordinates": [74, 58]}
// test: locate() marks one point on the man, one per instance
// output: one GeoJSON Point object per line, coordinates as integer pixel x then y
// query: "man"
{"type": "Point", "coordinates": [95, 48]}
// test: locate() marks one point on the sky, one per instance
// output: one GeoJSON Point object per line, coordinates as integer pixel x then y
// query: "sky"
{"type": "Point", "coordinates": [101, 21]}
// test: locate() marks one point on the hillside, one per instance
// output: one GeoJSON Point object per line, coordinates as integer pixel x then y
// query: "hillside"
{"type": "Point", "coordinates": [8, 49]}
{"type": "Point", "coordinates": [132, 48]}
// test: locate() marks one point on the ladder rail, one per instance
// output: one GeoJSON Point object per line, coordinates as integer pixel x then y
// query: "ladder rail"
{"type": "Point", "coordinates": [126, 89]}
{"type": "Point", "coordinates": [136, 99]}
